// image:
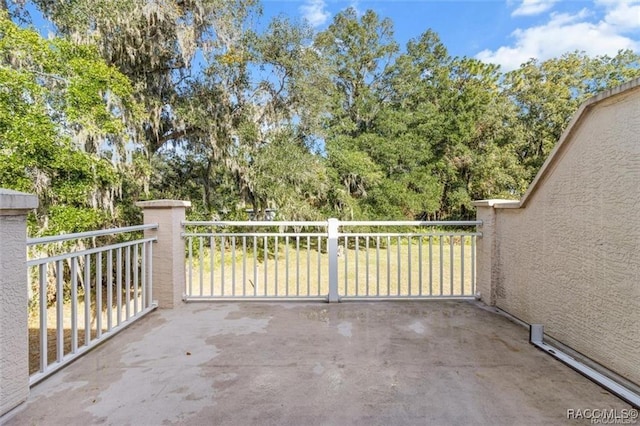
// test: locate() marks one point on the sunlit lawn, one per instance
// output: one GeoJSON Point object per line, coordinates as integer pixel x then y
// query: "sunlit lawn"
{"type": "Point", "coordinates": [399, 270]}
{"type": "Point", "coordinates": [66, 320]}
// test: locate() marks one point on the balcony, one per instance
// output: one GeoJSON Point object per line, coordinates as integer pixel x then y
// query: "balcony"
{"type": "Point", "coordinates": [440, 362]}
{"type": "Point", "coordinates": [564, 256]}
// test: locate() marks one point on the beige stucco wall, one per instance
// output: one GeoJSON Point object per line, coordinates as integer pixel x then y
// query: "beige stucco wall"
{"type": "Point", "coordinates": [569, 257]}
{"type": "Point", "coordinates": [14, 344]}
{"type": "Point", "coordinates": [168, 267]}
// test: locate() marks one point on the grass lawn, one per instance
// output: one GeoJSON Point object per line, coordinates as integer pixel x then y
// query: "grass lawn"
{"type": "Point", "coordinates": [443, 267]}
{"type": "Point", "coordinates": [83, 336]}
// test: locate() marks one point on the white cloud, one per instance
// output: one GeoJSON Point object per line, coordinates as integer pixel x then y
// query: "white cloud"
{"type": "Point", "coordinates": [624, 15]}
{"type": "Point", "coordinates": [617, 28]}
{"type": "Point", "coordinates": [314, 12]}
{"type": "Point", "coordinates": [533, 7]}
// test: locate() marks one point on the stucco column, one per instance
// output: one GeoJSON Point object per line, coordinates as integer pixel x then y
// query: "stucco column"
{"type": "Point", "coordinates": [168, 253]}
{"type": "Point", "coordinates": [487, 262]}
{"type": "Point", "coordinates": [14, 331]}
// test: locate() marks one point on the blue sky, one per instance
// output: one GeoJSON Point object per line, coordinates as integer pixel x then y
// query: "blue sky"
{"type": "Point", "coordinates": [506, 32]}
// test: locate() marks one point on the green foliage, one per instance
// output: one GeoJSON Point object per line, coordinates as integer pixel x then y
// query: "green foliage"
{"type": "Point", "coordinates": [58, 103]}
{"type": "Point", "coordinates": [546, 94]}
{"type": "Point", "coordinates": [340, 123]}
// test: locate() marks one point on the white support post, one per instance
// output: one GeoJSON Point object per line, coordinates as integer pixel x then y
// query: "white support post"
{"type": "Point", "coordinates": [14, 298]}
{"type": "Point", "coordinates": [332, 249]}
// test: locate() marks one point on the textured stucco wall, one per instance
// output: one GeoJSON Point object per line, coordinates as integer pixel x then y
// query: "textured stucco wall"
{"type": "Point", "coordinates": [570, 257]}
{"type": "Point", "coordinates": [14, 367]}
{"type": "Point", "coordinates": [14, 346]}
{"type": "Point", "coordinates": [168, 251]}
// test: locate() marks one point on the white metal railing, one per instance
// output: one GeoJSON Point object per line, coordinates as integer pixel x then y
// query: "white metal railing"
{"type": "Point", "coordinates": [330, 260]}
{"type": "Point", "coordinates": [256, 260]}
{"type": "Point", "coordinates": [85, 287]}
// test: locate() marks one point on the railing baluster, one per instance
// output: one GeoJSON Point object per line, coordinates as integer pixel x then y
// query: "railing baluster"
{"type": "Point", "coordinates": [59, 311]}
{"type": "Point", "coordinates": [201, 264]}
{"type": "Point", "coordinates": [420, 242]}
{"type": "Point", "coordinates": [451, 264]}
{"type": "Point", "coordinates": [244, 265]}
{"type": "Point", "coordinates": [275, 259]}
{"type": "Point", "coordinates": [357, 259]}
{"type": "Point", "coordinates": [473, 265]}
{"type": "Point", "coordinates": [346, 266]}
{"type": "Point", "coordinates": [190, 283]}
{"type": "Point", "coordinates": [409, 243]}
{"type": "Point", "coordinates": [212, 263]}
{"type": "Point", "coordinates": [319, 263]}
{"type": "Point", "coordinates": [127, 283]}
{"type": "Point", "coordinates": [308, 266]}
{"type": "Point", "coordinates": [366, 259]}
{"type": "Point", "coordinates": [441, 264]}
{"type": "Point", "coordinates": [143, 271]}
{"type": "Point", "coordinates": [222, 252]}
{"type": "Point", "coordinates": [119, 286]}
{"type": "Point", "coordinates": [98, 295]}
{"type": "Point", "coordinates": [377, 266]}
{"type": "Point", "coordinates": [150, 295]}
{"type": "Point", "coordinates": [87, 299]}
{"type": "Point", "coordinates": [42, 288]}
{"type": "Point", "coordinates": [255, 265]}
{"type": "Point", "coordinates": [109, 290]}
{"type": "Point", "coordinates": [286, 261]}
{"type": "Point", "coordinates": [462, 265]}
{"type": "Point", "coordinates": [74, 305]}
{"type": "Point", "coordinates": [430, 265]}
{"type": "Point", "coordinates": [233, 266]}
{"type": "Point", "coordinates": [399, 262]}
{"type": "Point", "coordinates": [388, 265]}
{"type": "Point", "coordinates": [136, 280]}
{"type": "Point", "coordinates": [297, 265]}
{"type": "Point", "coordinates": [265, 261]}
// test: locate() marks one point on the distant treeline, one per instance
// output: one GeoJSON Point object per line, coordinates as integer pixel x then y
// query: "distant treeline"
{"type": "Point", "coordinates": [140, 99]}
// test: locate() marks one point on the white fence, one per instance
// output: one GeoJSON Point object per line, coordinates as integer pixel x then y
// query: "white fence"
{"type": "Point", "coordinates": [330, 260]}
{"type": "Point", "coordinates": [85, 289]}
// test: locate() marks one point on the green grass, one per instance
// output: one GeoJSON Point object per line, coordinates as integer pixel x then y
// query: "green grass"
{"type": "Point", "coordinates": [397, 270]}
{"type": "Point", "coordinates": [67, 319]}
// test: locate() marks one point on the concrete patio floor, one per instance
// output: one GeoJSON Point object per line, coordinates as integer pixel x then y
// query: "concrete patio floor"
{"type": "Point", "coordinates": [377, 363]}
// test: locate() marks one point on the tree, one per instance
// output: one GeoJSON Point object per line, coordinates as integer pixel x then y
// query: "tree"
{"type": "Point", "coordinates": [62, 111]}
{"type": "Point", "coordinates": [358, 53]}
{"type": "Point", "coordinates": [212, 87]}
{"type": "Point", "coordinates": [248, 106]}
{"type": "Point", "coordinates": [232, 116]}
{"type": "Point", "coordinates": [547, 94]}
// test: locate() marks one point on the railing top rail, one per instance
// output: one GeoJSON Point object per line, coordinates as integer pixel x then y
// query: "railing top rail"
{"type": "Point", "coordinates": [255, 223]}
{"type": "Point", "coordinates": [49, 259]}
{"type": "Point", "coordinates": [89, 234]}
